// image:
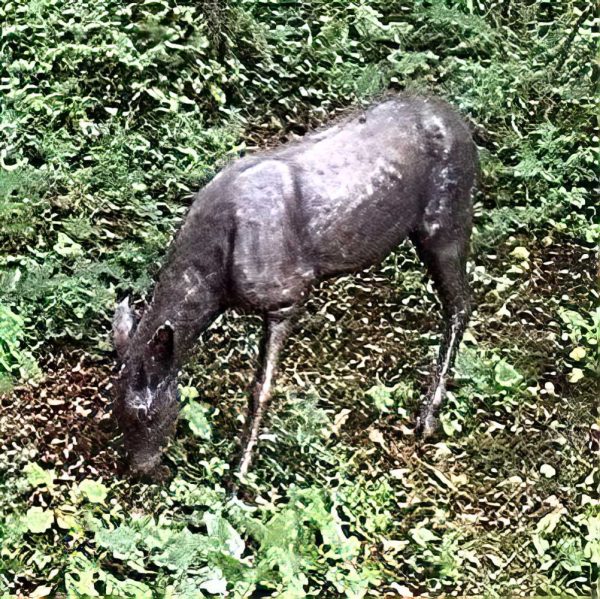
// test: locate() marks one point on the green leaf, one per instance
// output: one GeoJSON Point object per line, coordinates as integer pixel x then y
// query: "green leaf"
{"type": "Point", "coordinates": [81, 577]}
{"type": "Point", "coordinates": [41, 591]}
{"type": "Point", "coordinates": [382, 397]}
{"type": "Point", "coordinates": [213, 582]}
{"type": "Point", "coordinates": [121, 541]}
{"type": "Point", "coordinates": [227, 537]}
{"type": "Point", "coordinates": [217, 93]}
{"type": "Point", "coordinates": [576, 375]}
{"type": "Point", "coordinates": [506, 375]}
{"type": "Point", "coordinates": [547, 470]}
{"type": "Point", "coordinates": [67, 520]}
{"type": "Point", "coordinates": [593, 526]}
{"type": "Point", "coordinates": [127, 588]}
{"type": "Point", "coordinates": [94, 491]}
{"type": "Point", "coordinates": [181, 550]}
{"type": "Point", "coordinates": [195, 413]}
{"type": "Point", "coordinates": [521, 253]}
{"type": "Point", "coordinates": [573, 319]}
{"type": "Point", "coordinates": [577, 353]}
{"type": "Point", "coordinates": [65, 246]}
{"type": "Point", "coordinates": [540, 543]}
{"type": "Point", "coordinates": [196, 495]}
{"type": "Point", "coordinates": [209, 580]}
{"type": "Point", "coordinates": [188, 393]}
{"type": "Point", "coordinates": [80, 583]}
{"type": "Point", "coordinates": [38, 520]}
{"type": "Point", "coordinates": [549, 522]}
{"type": "Point", "coordinates": [422, 535]}
{"type": "Point", "coordinates": [37, 476]}
{"type": "Point", "coordinates": [592, 547]}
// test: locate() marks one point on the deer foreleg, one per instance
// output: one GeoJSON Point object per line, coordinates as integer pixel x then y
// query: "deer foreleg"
{"type": "Point", "coordinates": [277, 331]}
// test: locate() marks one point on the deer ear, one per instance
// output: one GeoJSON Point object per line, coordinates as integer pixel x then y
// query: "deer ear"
{"type": "Point", "coordinates": [123, 326]}
{"type": "Point", "coordinates": [162, 344]}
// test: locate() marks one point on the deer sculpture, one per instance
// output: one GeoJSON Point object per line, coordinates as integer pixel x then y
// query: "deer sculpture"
{"type": "Point", "coordinates": [268, 226]}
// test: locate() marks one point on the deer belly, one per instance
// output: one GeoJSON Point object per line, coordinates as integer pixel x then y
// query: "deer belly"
{"type": "Point", "coordinates": [359, 232]}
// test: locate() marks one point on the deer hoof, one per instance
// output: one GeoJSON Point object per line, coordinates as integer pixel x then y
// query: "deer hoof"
{"type": "Point", "coordinates": [427, 426]}
{"type": "Point", "coordinates": [158, 474]}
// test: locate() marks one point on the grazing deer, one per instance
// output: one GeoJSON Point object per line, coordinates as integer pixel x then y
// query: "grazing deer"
{"type": "Point", "coordinates": [269, 226]}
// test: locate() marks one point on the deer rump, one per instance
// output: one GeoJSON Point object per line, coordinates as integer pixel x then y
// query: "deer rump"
{"type": "Point", "coordinates": [270, 225]}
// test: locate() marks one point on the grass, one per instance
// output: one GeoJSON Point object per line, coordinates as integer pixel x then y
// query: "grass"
{"type": "Point", "coordinates": [343, 501]}
{"type": "Point", "coordinates": [505, 505]}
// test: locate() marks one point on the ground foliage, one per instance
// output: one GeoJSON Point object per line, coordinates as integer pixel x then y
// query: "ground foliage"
{"type": "Point", "coordinates": [111, 114]}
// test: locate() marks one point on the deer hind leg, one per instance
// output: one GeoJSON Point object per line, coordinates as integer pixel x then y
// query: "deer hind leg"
{"type": "Point", "coordinates": [277, 331]}
{"type": "Point", "coordinates": [444, 255]}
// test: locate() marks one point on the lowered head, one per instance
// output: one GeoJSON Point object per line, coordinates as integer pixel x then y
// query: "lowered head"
{"type": "Point", "coordinates": [147, 400]}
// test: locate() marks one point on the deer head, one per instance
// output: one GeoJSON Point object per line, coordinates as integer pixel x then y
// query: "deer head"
{"type": "Point", "coordinates": [146, 405]}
